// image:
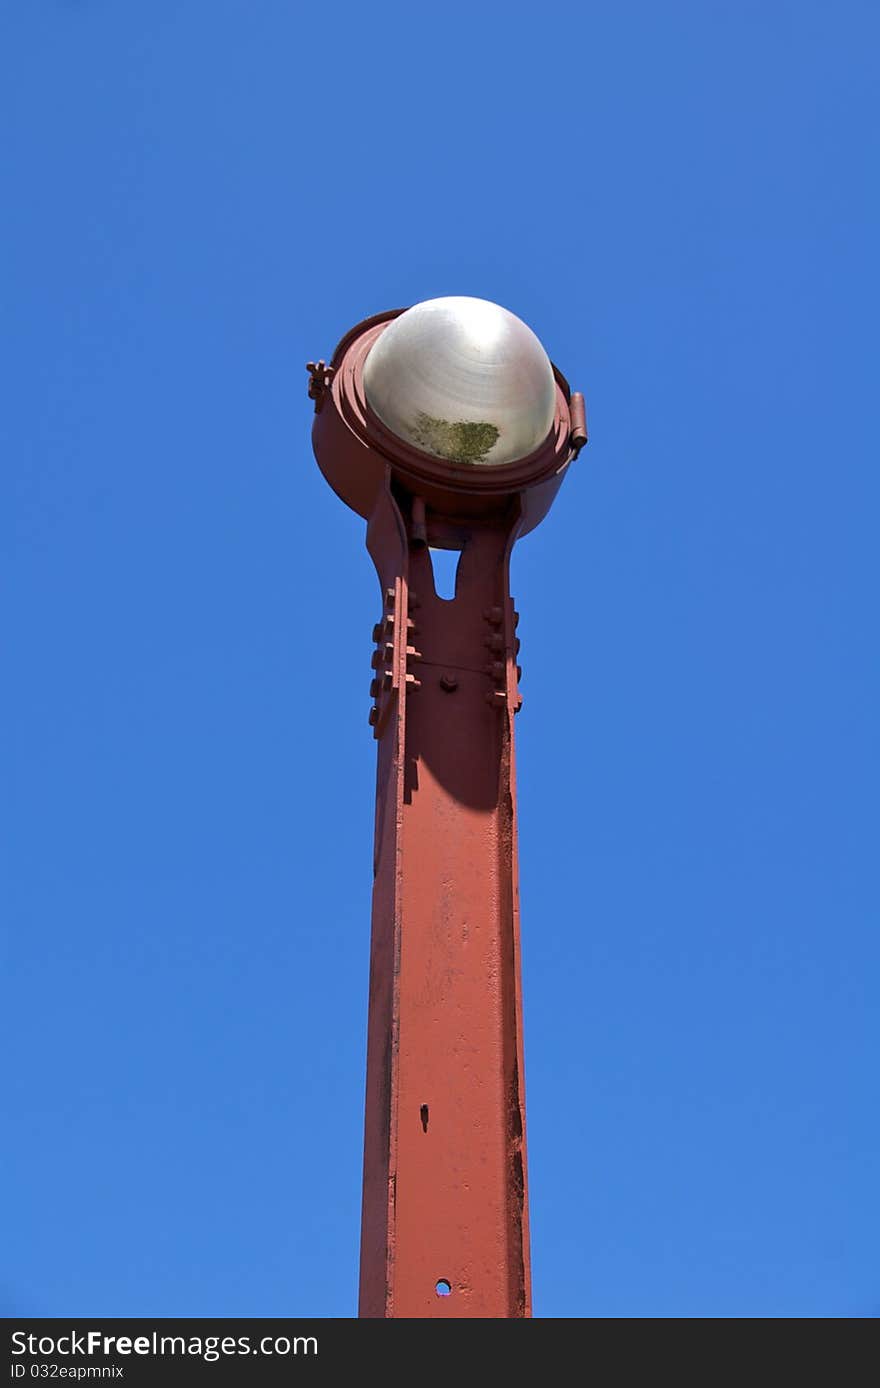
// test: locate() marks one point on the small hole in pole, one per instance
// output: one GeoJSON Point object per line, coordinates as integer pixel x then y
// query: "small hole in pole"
{"type": "Point", "coordinates": [423, 1114]}
{"type": "Point", "coordinates": [443, 1287]}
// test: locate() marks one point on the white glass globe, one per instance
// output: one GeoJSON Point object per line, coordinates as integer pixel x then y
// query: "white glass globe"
{"type": "Point", "coordinates": [462, 379]}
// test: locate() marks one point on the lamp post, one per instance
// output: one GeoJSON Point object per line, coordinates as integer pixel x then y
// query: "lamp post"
{"type": "Point", "coordinates": [447, 428]}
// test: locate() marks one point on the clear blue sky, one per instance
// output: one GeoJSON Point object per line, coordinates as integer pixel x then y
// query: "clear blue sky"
{"type": "Point", "coordinates": [682, 201]}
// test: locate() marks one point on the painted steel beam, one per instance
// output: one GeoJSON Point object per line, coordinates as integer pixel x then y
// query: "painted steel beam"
{"type": "Point", "coordinates": [445, 1215]}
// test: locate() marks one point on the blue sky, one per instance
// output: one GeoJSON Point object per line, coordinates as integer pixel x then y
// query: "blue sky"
{"type": "Point", "coordinates": [682, 201]}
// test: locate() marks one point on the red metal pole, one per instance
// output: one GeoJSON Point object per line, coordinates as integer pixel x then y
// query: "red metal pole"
{"type": "Point", "coordinates": [445, 1215]}
{"type": "Point", "coordinates": [445, 1204]}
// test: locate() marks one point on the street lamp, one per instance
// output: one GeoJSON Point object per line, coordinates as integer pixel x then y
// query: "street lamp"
{"type": "Point", "coordinates": [447, 428]}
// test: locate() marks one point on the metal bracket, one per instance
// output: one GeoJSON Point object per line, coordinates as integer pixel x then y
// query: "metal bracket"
{"type": "Point", "coordinates": [384, 663]}
{"type": "Point", "coordinates": [578, 436]}
{"type": "Point", "coordinates": [320, 376]}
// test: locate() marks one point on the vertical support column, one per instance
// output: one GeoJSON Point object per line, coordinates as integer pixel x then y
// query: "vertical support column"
{"type": "Point", "coordinates": [445, 1215]}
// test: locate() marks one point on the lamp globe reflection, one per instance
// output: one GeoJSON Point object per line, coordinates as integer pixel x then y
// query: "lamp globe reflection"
{"type": "Point", "coordinates": [462, 379]}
